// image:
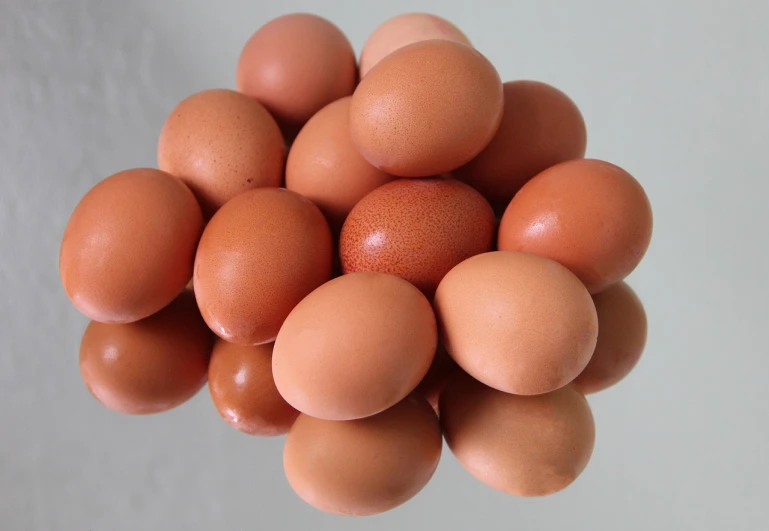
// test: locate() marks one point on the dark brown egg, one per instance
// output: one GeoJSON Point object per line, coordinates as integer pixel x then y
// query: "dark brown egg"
{"type": "Point", "coordinates": [148, 366]}
{"type": "Point", "coordinates": [295, 65]}
{"type": "Point", "coordinates": [366, 466]}
{"type": "Point", "coordinates": [541, 126]}
{"type": "Point", "coordinates": [326, 167]}
{"type": "Point", "coordinates": [589, 215]}
{"type": "Point", "coordinates": [521, 445]}
{"type": "Point", "coordinates": [243, 391]}
{"type": "Point", "coordinates": [261, 254]}
{"type": "Point", "coordinates": [622, 329]}
{"type": "Point", "coordinates": [221, 143]}
{"type": "Point", "coordinates": [435, 380]}
{"type": "Point", "coordinates": [426, 109]}
{"type": "Point", "coordinates": [517, 322]}
{"type": "Point", "coordinates": [355, 346]}
{"type": "Point", "coordinates": [129, 246]}
{"type": "Point", "coordinates": [417, 229]}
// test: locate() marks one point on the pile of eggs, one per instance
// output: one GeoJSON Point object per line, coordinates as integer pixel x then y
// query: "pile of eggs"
{"type": "Point", "coordinates": [370, 257]}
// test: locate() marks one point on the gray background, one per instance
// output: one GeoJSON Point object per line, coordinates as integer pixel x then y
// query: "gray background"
{"type": "Point", "coordinates": [676, 92]}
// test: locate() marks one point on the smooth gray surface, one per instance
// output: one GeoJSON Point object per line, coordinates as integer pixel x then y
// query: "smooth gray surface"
{"type": "Point", "coordinates": [676, 92]}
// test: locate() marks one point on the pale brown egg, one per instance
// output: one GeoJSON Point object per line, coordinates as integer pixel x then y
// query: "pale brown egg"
{"type": "Point", "coordinates": [261, 254]}
{"type": "Point", "coordinates": [221, 143]}
{"type": "Point", "coordinates": [417, 229]}
{"type": "Point", "coordinates": [295, 65]}
{"type": "Point", "coordinates": [426, 109]}
{"type": "Point", "coordinates": [541, 126]}
{"type": "Point", "coordinates": [243, 391]}
{"type": "Point", "coordinates": [589, 215]}
{"type": "Point", "coordinates": [520, 445]}
{"type": "Point", "coordinates": [129, 246]}
{"type": "Point", "coordinates": [148, 366]}
{"type": "Point", "coordinates": [622, 328]}
{"type": "Point", "coordinates": [517, 322]}
{"type": "Point", "coordinates": [354, 347]}
{"type": "Point", "coordinates": [366, 466]}
{"type": "Point", "coordinates": [403, 30]}
{"type": "Point", "coordinates": [325, 166]}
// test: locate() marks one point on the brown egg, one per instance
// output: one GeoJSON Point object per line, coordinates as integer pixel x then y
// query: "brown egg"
{"type": "Point", "coordinates": [326, 167]}
{"type": "Point", "coordinates": [621, 338]}
{"type": "Point", "coordinates": [426, 109]}
{"type": "Point", "coordinates": [148, 366]}
{"type": "Point", "coordinates": [258, 257]}
{"type": "Point", "coordinates": [589, 215]}
{"type": "Point", "coordinates": [417, 229]}
{"type": "Point", "coordinates": [295, 65]}
{"type": "Point", "coordinates": [520, 445]}
{"type": "Point", "coordinates": [354, 347]}
{"type": "Point", "coordinates": [403, 30]}
{"type": "Point", "coordinates": [129, 246]}
{"type": "Point", "coordinates": [366, 466]}
{"type": "Point", "coordinates": [435, 380]}
{"type": "Point", "coordinates": [221, 143]}
{"type": "Point", "coordinates": [243, 391]}
{"type": "Point", "coordinates": [540, 127]}
{"type": "Point", "coordinates": [517, 322]}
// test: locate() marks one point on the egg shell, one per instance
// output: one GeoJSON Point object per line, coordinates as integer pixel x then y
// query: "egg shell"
{"type": "Point", "coordinates": [518, 322]}
{"type": "Point", "coordinates": [426, 109]}
{"type": "Point", "coordinates": [541, 126]}
{"type": "Point", "coordinates": [148, 366]}
{"type": "Point", "coordinates": [258, 257]}
{"type": "Point", "coordinates": [221, 143]}
{"type": "Point", "coordinates": [403, 30]}
{"type": "Point", "coordinates": [417, 229]}
{"type": "Point", "coordinates": [622, 329]}
{"type": "Point", "coordinates": [129, 246]}
{"type": "Point", "coordinates": [366, 466]}
{"type": "Point", "coordinates": [589, 215]}
{"type": "Point", "coordinates": [325, 166]}
{"type": "Point", "coordinates": [520, 445]}
{"type": "Point", "coordinates": [295, 65]}
{"type": "Point", "coordinates": [435, 380]}
{"type": "Point", "coordinates": [354, 347]}
{"type": "Point", "coordinates": [243, 390]}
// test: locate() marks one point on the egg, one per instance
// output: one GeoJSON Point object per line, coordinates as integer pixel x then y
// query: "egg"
{"type": "Point", "coordinates": [417, 229]}
{"type": "Point", "coordinates": [243, 391]}
{"type": "Point", "coordinates": [366, 466]}
{"type": "Point", "coordinates": [622, 328]}
{"type": "Point", "coordinates": [326, 167]}
{"type": "Point", "coordinates": [295, 65]}
{"type": "Point", "coordinates": [541, 126]}
{"type": "Point", "coordinates": [129, 246]}
{"type": "Point", "coordinates": [403, 30]}
{"type": "Point", "coordinates": [151, 365]}
{"type": "Point", "coordinates": [262, 253]}
{"type": "Point", "coordinates": [221, 143]}
{"type": "Point", "coordinates": [589, 215]}
{"type": "Point", "coordinates": [426, 109]}
{"type": "Point", "coordinates": [520, 445]}
{"type": "Point", "coordinates": [518, 322]}
{"type": "Point", "coordinates": [354, 347]}
{"type": "Point", "coordinates": [435, 380]}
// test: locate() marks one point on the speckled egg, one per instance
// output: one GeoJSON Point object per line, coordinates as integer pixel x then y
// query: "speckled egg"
{"type": "Point", "coordinates": [244, 392]}
{"type": "Point", "coordinates": [622, 328]}
{"type": "Point", "coordinates": [520, 445]}
{"type": "Point", "coordinates": [221, 143]}
{"type": "Point", "coordinates": [262, 253]}
{"type": "Point", "coordinates": [417, 229]}
{"type": "Point", "coordinates": [403, 30]}
{"type": "Point", "coordinates": [517, 322]}
{"type": "Point", "coordinates": [129, 246]}
{"type": "Point", "coordinates": [426, 109]}
{"type": "Point", "coordinates": [541, 126]}
{"type": "Point", "coordinates": [589, 215]}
